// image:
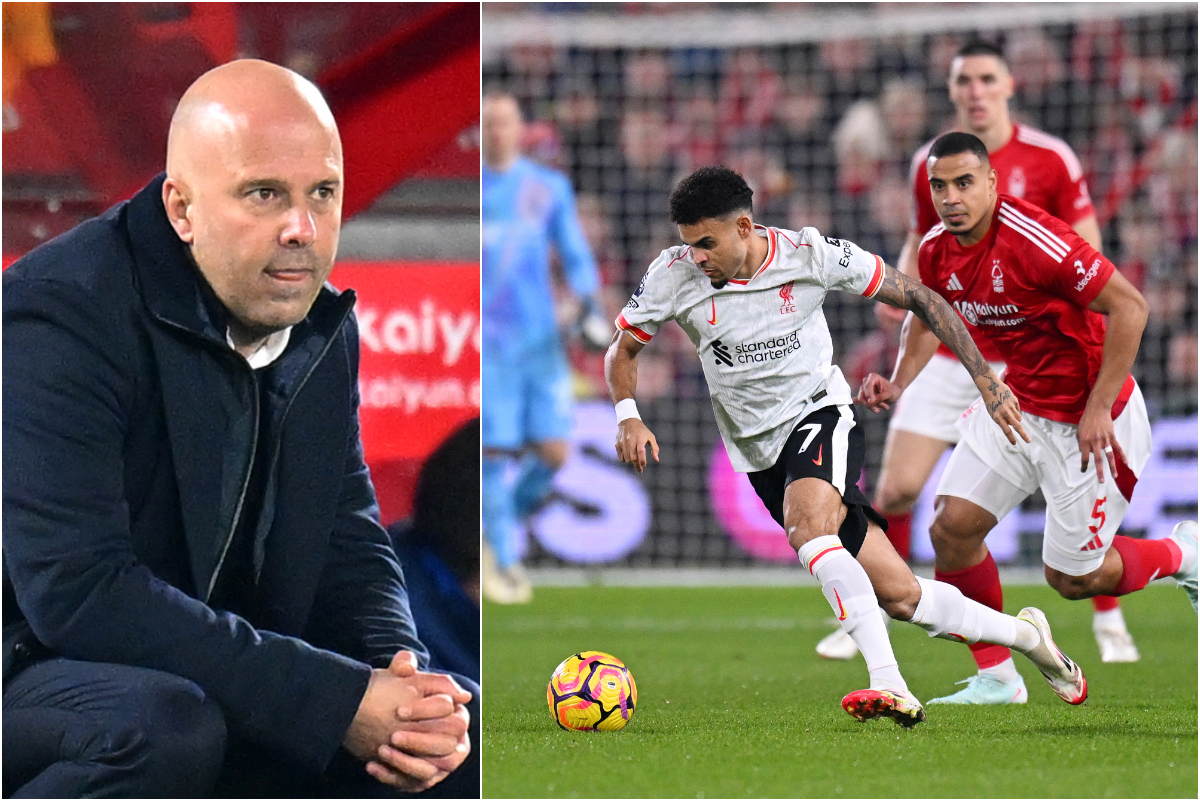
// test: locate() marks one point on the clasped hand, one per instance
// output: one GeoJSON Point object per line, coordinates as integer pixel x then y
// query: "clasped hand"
{"type": "Point", "coordinates": [877, 393]}
{"type": "Point", "coordinates": [411, 727]}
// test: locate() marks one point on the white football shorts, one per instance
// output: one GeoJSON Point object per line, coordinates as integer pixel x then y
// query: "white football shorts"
{"type": "Point", "coordinates": [1082, 515]}
{"type": "Point", "coordinates": [937, 397]}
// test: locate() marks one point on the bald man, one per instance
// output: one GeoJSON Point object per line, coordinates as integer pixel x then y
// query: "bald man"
{"type": "Point", "coordinates": [198, 597]}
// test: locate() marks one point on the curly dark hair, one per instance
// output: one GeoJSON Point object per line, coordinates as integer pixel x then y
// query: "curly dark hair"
{"type": "Point", "coordinates": [708, 194]}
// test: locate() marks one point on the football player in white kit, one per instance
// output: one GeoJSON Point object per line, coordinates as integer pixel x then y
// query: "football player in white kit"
{"type": "Point", "coordinates": [749, 298]}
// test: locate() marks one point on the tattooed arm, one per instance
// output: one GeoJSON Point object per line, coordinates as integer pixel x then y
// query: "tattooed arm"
{"type": "Point", "coordinates": [932, 313]}
{"type": "Point", "coordinates": [903, 292]}
{"type": "Point", "coordinates": [917, 346]}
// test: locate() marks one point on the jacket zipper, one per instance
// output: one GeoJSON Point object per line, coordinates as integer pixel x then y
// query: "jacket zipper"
{"type": "Point", "coordinates": [237, 509]}
{"type": "Point", "coordinates": [274, 444]}
{"type": "Point", "coordinates": [237, 513]}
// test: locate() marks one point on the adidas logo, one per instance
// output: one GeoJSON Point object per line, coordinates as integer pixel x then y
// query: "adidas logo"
{"type": "Point", "coordinates": [954, 283]}
{"type": "Point", "coordinates": [1093, 545]}
{"type": "Point", "coordinates": [721, 351]}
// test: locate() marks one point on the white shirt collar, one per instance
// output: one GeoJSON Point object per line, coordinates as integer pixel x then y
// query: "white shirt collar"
{"type": "Point", "coordinates": [268, 350]}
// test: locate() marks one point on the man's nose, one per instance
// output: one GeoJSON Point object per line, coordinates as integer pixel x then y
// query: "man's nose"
{"type": "Point", "coordinates": [699, 256]}
{"type": "Point", "coordinates": [301, 229]}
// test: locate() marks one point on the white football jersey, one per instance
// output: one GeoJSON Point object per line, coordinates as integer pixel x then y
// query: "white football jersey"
{"type": "Point", "coordinates": [764, 342]}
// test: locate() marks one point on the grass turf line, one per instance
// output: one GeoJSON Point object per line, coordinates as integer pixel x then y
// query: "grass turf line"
{"type": "Point", "coordinates": [734, 702]}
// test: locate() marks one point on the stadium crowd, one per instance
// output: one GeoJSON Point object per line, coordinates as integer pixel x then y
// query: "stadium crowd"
{"type": "Point", "coordinates": [824, 132]}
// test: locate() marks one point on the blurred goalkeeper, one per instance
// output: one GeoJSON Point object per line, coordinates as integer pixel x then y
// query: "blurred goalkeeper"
{"type": "Point", "coordinates": [749, 298]}
{"type": "Point", "coordinates": [527, 208]}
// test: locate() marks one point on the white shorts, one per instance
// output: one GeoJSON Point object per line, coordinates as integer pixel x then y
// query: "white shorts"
{"type": "Point", "coordinates": [937, 397]}
{"type": "Point", "coordinates": [1082, 515]}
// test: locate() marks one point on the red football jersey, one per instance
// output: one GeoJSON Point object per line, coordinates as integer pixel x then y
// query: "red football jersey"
{"type": "Point", "coordinates": [1026, 287]}
{"type": "Point", "coordinates": [1034, 166]}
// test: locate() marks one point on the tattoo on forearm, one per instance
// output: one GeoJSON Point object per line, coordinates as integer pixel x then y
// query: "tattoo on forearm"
{"type": "Point", "coordinates": [904, 293]}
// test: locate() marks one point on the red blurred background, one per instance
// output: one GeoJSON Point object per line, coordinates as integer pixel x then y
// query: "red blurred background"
{"type": "Point", "coordinates": [89, 89]}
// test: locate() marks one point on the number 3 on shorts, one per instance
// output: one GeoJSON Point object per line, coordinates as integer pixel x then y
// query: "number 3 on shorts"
{"type": "Point", "coordinates": [1097, 512]}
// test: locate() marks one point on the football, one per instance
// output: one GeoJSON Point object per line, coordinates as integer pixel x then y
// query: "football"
{"type": "Point", "coordinates": [592, 691]}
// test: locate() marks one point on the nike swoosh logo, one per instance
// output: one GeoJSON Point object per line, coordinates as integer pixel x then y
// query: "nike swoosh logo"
{"type": "Point", "coordinates": [713, 321]}
{"type": "Point", "coordinates": [841, 609]}
{"type": "Point", "coordinates": [820, 455]}
{"type": "Point", "coordinates": [1153, 575]}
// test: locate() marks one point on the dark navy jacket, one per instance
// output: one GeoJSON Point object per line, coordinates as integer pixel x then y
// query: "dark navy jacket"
{"type": "Point", "coordinates": [128, 425]}
{"type": "Point", "coordinates": [448, 620]}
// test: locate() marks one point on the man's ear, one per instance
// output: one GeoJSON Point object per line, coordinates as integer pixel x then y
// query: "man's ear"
{"type": "Point", "coordinates": [745, 226]}
{"type": "Point", "coordinates": [178, 205]}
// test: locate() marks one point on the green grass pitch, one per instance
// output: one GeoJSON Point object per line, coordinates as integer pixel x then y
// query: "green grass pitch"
{"type": "Point", "coordinates": [734, 702]}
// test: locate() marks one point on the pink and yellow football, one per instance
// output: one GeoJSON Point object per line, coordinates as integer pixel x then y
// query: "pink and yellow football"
{"type": "Point", "coordinates": [592, 691]}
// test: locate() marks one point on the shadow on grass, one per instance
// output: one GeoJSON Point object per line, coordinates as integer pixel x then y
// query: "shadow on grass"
{"type": "Point", "coordinates": [531, 726]}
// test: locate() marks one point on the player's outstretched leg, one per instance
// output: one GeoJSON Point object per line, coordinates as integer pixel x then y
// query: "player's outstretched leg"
{"type": "Point", "coordinates": [944, 612]}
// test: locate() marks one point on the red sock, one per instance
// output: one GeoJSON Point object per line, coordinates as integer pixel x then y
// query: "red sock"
{"type": "Point", "coordinates": [899, 533]}
{"type": "Point", "coordinates": [981, 583]}
{"type": "Point", "coordinates": [1144, 560]}
{"type": "Point", "coordinates": [1105, 603]}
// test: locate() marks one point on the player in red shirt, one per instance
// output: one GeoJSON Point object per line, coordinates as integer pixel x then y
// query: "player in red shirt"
{"type": "Point", "coordinates": [1037, 291]}
{"type": "Point", "coordinates": [724, 291]}
{"type": "Point", "coordinates": [1031, 165]}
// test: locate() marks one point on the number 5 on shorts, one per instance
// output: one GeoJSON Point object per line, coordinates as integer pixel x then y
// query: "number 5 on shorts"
{"type": "Point", "coordinates": [1097, 512]}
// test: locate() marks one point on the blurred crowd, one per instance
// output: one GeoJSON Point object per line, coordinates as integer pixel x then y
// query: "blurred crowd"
{"type": "Point", "coordinates": [824, 133]}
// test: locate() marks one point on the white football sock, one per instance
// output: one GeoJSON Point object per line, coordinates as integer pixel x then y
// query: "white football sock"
{"type": "Point", "coordinates": [1109, 620]}
{"type": "Point", "coordinates": [853, 600]}
{"type": "Point", "coordinates": [945, 612]}
{"type": "Point", "coordinates": [1006, 671]}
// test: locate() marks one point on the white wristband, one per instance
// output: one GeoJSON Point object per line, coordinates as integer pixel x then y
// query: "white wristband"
{"type": "Point", "coordinates": [626, 409]}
